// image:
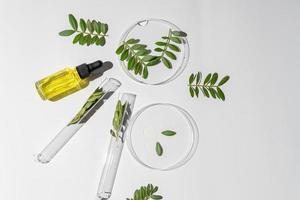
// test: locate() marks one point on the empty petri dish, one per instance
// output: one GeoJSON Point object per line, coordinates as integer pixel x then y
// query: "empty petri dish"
{"type": "Point", "coordinates": [145, 131]}
{"type": "Point", "coordinates": [150, 31]}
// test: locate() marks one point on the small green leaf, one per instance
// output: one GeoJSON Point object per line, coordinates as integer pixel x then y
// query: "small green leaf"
{"type": "Point", "coordinates": [138, 46]}
{"type": "Point", "coordinates": [145, 72]}
{"type": "Point", "coordinates": [174, 47]}
{"type": "Point", "coordinates": [214, 78]}
{"type": "Point", "coordinates": [96, 26]}
{"type": "Point", "coordinates": [90, 26]}
{"type": "Point", "coordinates": [88, 40]}
{"type": "Point", "coordinates": [148, 58]}
{"type": "Point", "coordinates": [207, 79]}
{"type": "Point", "coordinates": [191, 79]}
{"type": "Point", "coordinates": [94, 39]}
{"type": "Point", "coordinates": [221, 94]}
{"type": "Point", "coordinates": [66, 32]}
{"type": "Point", "coordinates": [133, 41]}
{"type": "Point", "coordinates": [138, 68]}
{"type": "Point", "coordinates": [131, 63]}
{"type": "Point", "coordinates": [156, 61]}
{"type": "Point", "coordinates": [206, 93]}
{"type": "Point", "coordinates": [156, 197]}
{"type": "Point", "coordinates": [160, 43]}
{"type": "Point", "coordinates": [196, 91]}
{"type": "Point", "coordinates": [77, 38]}
{"type": "Point", "coordinates": [176, 40]}
{"type": "Point", "coordinates": [73, 22]}
{"type": "Point", "coordinates": [166, 62]}
{"type": "Point", "coordinates": [101, 41]}
{"type": "Point", "coordinates": [104, 28]}
{"type": "Point", "coordinates": [199, 77]}
{"type": "Point", "coordinates": [224, 80]}
{"type": "Point", "coordinates": [143, 52]}
{"type": "Point", "coordinates": [192, 92]}
{"type": "Point", "coordinates": [212, 92]}
{"type": "Point", "coordinates": [82, 25]}
{"type": "Point", "coordinates": [158, 49]}
{"type": "Point", "coordinates": [124, 55]}
{"type": "Point", "coordinates": [120, 49]}
{"type": "Point", "coordinates": [179, 33]}
{"type": "Point", "coordinates": [171, 55]}
{"type": "Point", "coordinates": [168, 133]}
{"type": "Point", "coordinates": [82, 40]}
{"type": "Point", "coordinates": [159, 149]}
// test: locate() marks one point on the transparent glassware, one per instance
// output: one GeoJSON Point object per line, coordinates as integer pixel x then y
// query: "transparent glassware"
{"type": "Point", "coordinates": [149, 31]}
{"type": "Point", "coordinates": [115, 148]}
{"type": "Point", "coordinates": [94, 102]}
{"type": "Point", "coordinates": [145, 130]}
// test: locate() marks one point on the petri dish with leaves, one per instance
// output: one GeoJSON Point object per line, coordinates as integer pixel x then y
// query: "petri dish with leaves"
{"type": "Point", "coordinates": [153, 51]}
{"type": "Point", "coordinates": [162, 136]}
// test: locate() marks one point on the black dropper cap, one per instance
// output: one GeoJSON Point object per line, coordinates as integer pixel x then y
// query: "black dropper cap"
{"type": "Point", "coordinates": [84, 70]}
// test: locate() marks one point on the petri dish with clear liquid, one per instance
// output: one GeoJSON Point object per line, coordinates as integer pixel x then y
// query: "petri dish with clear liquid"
{"type": "Point", "coordinates": [146, 128]}
{"type": "Point", "coordinates": [149, 31]}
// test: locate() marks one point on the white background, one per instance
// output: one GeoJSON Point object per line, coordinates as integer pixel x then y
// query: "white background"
{"type": "Point", "coordinates": [249, 145]}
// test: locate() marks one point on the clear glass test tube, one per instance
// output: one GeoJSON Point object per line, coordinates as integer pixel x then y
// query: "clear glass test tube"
{"type": "Point", "coordinates": [121, 118]}
{"type": "Point", "coordinates": [93, 103]}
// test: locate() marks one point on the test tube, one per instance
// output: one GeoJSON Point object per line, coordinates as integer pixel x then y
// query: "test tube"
{"type": "Point", "coordinates": [120, 122]}
{"type": "Point", "coordinates": [93, 103]}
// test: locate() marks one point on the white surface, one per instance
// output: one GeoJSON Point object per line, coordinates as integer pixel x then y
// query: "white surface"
{"type": "Point", "coordinates": [249, 145]}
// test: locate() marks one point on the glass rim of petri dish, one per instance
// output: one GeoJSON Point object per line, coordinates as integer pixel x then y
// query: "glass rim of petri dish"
{"type": "Point", "coordinates": [186, 52]}
{"type": "Point", "coordinates": [192, 125]}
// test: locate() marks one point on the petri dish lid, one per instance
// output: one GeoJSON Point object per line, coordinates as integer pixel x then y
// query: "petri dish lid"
{"type": "Point", "coordinates": [145, 129]}
{"type": "Point", "coordinates": [150, 31]}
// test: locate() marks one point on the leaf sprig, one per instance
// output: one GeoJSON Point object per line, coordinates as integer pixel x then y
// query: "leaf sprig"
{"type": "Point", "coordinates": [209, 87]}
{"type": "Point", "coordinates": [146, 193]}
{"type": "Point", "coordinates": [97, 94]}
{"type": "Point", "coordinates": [117, 120]}
{"type": "Point", "coordinates": [166, 49]}
{"type": "Point", "coordinates": [139, 58]}
{"type": "Point", "coordinates": [90, 32]}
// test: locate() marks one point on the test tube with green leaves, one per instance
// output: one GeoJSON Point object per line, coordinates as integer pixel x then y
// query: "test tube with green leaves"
{"type": "Point", "coordinates": [120, 122]}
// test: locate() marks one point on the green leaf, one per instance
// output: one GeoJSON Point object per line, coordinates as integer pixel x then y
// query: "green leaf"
{"type": "Point", "coordinates": [168, 133]}
{"type": "Point", "coordinates": [131, 63]}
{"type": "Point", "coordinates": [176, 40]}
{"type": "Point", "coordinates": [156, 197]}
{"type": "Point", "coordinates": [94, 39]}
{"type": "Point", "coordinates": [166, 62]}
{"type": "Point", "coordinates": [82, 40]}
{"type": "Point", "coordinates": [214, 79]}
{"type": "Point", "coordinates": [138, 46]}
{"type": "Point", "coordinates": [73, 22]}
{"type": "Point", "coordinates": [196, 91]}
{"type": "Point", "coordinates": [104, 28]}
{"type": "Point", "coordinates": [191, 79]}
{"type": "Point", "coordinates": [171, 55]}
{"type": "Point", "coordinates": [165, 37]}
{"type": "Point", "coordinates": [96, 26]}
{"type": "Point", "coordinates": [159, 149]}
{"type": "Point", "coordinates": [179, 33]}
{"type": "Point", "coordinates": [212, 92]}
{"type": "Point", "coordinates": [133, 41]}
{"type": "Point", "coordinates": [143, 52]}
{"type": "Point", "coordinates": [154, 62]}
{"type": "Point", "coordinates": [224, 80]}
{"type": "Point", "coordinates": [160, 43]}
{"type": "Point", "coordinates": [174, 47]}
{"type": "Point", "coordinates": [82, 25]}
{"type": "Point", "coordinates": [77, 38]}
{"type": "Point", "coordinates": [207, 79]}
{"type": "Point", "coordinates": [138, 68]}
{"type": "Point", "coordinates": [145, 72]}
{"type": "Point", "coordinates": [221, 94]}
{"type": "Point", "coordinates": [158, 49]}
{"type": "Point", "coordinates": [124, 55]}
{"type": "Point", "coordinates": [101, 41]}
{"type": "Point", "coordinates": [148, 58]}
{"type": "Point", "coordinates": [88, 40]}
{"type": "Point", "coordinates": [192, 92]}
{"type": "Point", "coordinates": [66, 32]}
{"type": "Point", "coordinates": [206, 93]}
{"type": "Point", "coordinates": [120, 49]}
{"type": "Point", "coordinates": [90, 26]}
{"type": "Point", "coordinates": [199, 77]}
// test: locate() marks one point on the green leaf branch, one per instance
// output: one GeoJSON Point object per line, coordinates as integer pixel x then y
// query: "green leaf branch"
{"type": "Point", "coordinates": [208, 85]}
{"type": "Point", "coordinates": [146, 193]}
{"type": "Point", "coordinates": [88, 32]}
{"type": "Point", "coordinates": [118, 118]}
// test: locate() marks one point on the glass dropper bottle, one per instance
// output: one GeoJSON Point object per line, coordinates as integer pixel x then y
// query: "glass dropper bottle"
{"type": "Point", "coordinates": [66, 81]}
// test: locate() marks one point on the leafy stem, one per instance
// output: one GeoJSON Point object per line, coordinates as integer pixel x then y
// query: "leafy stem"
{"type": "Point", "coordinates": [146, 193]}
{"type": "Point", "coordinates": [167, 43]}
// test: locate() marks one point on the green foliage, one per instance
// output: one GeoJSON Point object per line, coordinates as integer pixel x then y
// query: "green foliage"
{"type": "Point", "coordinates": [118, 118]}
{"type": "Point", "coordinates": [208, 87]}
{"type": "Point", "coordinates": [97, 94]}
{"type": "Point", "coordinates": [168, 133]}
{"type": "Point", "coordinates": [159, 149]}
{"type": "Point", "coordinates": [91, 32]}
{"type": "Point", "coordinates": [146, 193]}
{"type": "Point", "coordinates": [139, 58]}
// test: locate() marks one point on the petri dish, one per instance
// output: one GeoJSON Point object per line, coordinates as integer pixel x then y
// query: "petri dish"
{"type": "Point", "coordinates": [150, 31]}
{"type": "Point", "coordinates": [145, 130]}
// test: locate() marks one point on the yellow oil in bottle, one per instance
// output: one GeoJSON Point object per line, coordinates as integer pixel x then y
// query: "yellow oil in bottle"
{"type": "Point", "coordinates": [65, 82]}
